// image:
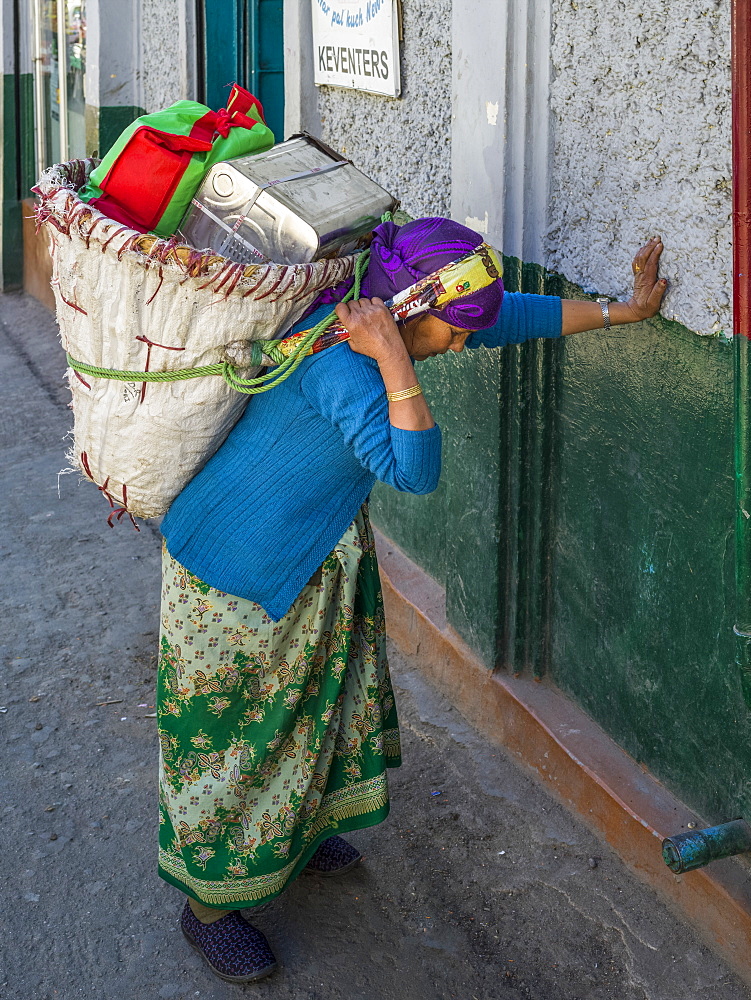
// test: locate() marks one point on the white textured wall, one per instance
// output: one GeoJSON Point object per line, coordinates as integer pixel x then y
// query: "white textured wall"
{"type": "Point", "coordinates": [640, 103]}
{"type": "Point", "coordinates": [167, 52]}
{"type": "Point", "coordinates": [300, 94]}
{"type": "Point", "coordinates": [501, 135]}
{"type": "Point", "coordinates": [403, 143]}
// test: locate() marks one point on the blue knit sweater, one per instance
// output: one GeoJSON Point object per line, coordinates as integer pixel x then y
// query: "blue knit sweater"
{"type": "Point", "coordinates": [267, 509]}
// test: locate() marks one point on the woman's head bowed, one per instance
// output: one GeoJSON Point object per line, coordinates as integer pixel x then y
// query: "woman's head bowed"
{"type": "Point", "coordinates": [402, 255]}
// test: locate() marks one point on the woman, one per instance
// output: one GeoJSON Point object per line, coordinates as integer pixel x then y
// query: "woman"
{"type": "Point", "coordinates": [276, 714]}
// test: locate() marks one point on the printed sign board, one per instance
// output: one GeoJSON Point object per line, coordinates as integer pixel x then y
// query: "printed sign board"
{"type": "Point", "coordinates": [356, 44]}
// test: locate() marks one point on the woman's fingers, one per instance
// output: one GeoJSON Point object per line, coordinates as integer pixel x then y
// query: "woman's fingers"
{"type": "Point", "coordinates": [648, 290]}
{"type": "Point", "coordinates": [359, 309]}
{"type": "Point", "coordinates": [351, 313]}
{"type": "Point", "coordinates": [647, 256]}
{"type": "Point", "coordinates": [371, 328]}
{"type": "Point", "coordinates": [654, 299]}
{"type": "Point", "coordinates": [653, 257]}
{"type": "Point", "coordinates": [342, 311]}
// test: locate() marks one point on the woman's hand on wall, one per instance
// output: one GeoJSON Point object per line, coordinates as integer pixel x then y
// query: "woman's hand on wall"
{"type": "Point", "coordinates": [645, 302]}
{"type": "Point", "coordinates": [648, 289]}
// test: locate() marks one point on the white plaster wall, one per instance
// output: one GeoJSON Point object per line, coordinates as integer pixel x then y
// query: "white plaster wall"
{"type": "Point", "coordinates": [113, 47]}
{"type": "Point", "coordinates": [167, 52]}
{"type": "Point", "coordinates": [7, 49]}
{"type": "Point", "coordinates": [26, 18]}
{"type": "Point", "coordinates": [641, 117]}
{"type": "Point", "coordinates": [300, 94]}
{"type": "Point", "coordinates": [501, 136]}
{"type": "Point", "coordinates": [6, 39]}
{"type": "Point", "coordinates": [403, 143]}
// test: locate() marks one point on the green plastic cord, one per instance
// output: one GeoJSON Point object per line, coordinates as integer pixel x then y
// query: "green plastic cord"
{"type": "Point", "coordinates": [262, 383]}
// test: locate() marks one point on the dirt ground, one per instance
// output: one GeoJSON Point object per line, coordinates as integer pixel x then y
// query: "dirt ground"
{"type": "Point", "coordinates": [478, 886]}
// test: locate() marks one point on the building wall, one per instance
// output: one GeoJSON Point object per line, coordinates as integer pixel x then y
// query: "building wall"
{"type": "Point", "coordinates": [137, 51]}
{"type": "Point", "coordinates": [641, 118]}
{"type": "Point", "coordinates": [168, 68]}
{"type": "Point", "coordinates": [142, 58]}
{"type": "Point", "coordinates": [582, 528]}
{"type": "Point", "coordinates": [643, 601]}
{"type": "Point", "coordinates": [403, 143]}
{"type": "Point", "coordinates": [8, 197]}
{"type": "Point", "coordinates": [17, 169]}
{"type": "Point", "coordinates": [114, 96]}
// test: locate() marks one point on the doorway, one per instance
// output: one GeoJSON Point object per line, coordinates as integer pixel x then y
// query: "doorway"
{"type": "Point", "coordinates": [242, 41]}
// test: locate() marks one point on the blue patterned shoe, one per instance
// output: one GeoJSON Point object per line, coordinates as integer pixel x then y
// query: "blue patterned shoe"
{"type": "Point", "coordinates": [333, 857]}
{"type": "Point", "coordinates": [231, 947]}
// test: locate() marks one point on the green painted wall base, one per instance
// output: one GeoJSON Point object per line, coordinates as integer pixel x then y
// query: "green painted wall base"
{"type": "Point", "coordinates": [644, 560]}
{"type": "Point", "coordinates": [104, 125]}
{"type": "Point", "coordinates": [17, 172]}
{"type": "Point", "coordinates": [583, 531]}
{"type": "Point", "coordinates": [12, 253]}
{"type": "Point", "coordinates": [484, 535]}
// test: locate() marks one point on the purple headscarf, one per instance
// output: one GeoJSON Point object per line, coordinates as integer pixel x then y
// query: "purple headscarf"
{"type": "Point", "coordinates": [402, 255]}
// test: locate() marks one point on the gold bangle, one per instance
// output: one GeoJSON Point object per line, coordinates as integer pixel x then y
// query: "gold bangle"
{"type": "Point", "coordinates": [396, 397]}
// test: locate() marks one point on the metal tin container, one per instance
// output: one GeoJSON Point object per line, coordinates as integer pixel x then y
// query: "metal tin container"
{"type": "Point", "coordinates": [296, 203]}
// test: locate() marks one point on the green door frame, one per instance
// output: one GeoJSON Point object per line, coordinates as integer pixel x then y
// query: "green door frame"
{"type": "Point", "coordinates": [17, 160]}
{"type": "Point", "coordinates": [243, 41]}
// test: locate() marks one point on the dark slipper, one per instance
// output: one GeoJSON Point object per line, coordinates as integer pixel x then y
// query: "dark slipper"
{"type": "Point", "coordinates": [231, 947]}
{"type": "Point", "coordinates": [333, 857]}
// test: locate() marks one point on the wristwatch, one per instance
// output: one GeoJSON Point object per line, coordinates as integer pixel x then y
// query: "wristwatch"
{"type": "Point", "coordinates": [605, 306]}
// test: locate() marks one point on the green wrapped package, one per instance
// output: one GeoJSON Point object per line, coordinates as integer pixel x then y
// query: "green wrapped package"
{"type": "Point", "coordinates": [148, 178]}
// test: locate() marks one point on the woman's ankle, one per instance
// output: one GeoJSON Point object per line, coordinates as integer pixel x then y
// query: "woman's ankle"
{"type": "Point", "coordinates": [206, 914]}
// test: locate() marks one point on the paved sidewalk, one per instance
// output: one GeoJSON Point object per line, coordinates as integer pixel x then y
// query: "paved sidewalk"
{"type": "Point", "coordinates": [478, 886]}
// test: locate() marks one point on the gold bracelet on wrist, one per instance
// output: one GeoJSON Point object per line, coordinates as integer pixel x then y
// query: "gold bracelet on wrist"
{"type": "Point", "coordinates": [396, 397]}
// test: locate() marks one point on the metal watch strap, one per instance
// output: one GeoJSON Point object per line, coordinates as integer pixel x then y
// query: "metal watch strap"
{"type": "Point", "coordinates": [605, 306]}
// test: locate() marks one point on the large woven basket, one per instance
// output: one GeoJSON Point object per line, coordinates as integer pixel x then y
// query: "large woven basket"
{"type": "Point", "coordinates": [131, 302]}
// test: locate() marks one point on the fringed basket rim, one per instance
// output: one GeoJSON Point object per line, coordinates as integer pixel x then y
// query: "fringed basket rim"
{"type": "Point", "coordinates": [60, 207]}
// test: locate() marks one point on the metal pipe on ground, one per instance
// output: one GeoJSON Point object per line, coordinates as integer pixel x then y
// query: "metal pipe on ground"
{"type": "Point", "coordinates": [687, 851]}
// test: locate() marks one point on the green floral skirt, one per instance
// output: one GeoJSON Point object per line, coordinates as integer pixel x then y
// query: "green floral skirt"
{"type": "Point", "coordinates": [274, 735]}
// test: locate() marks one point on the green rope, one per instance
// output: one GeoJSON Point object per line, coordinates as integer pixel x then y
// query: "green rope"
{"type": "Point", "coordinates": [285, 366]}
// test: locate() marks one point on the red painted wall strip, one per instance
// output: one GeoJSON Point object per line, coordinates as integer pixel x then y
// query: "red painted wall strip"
{"type": "Point", "coordinates": [741, 83]}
